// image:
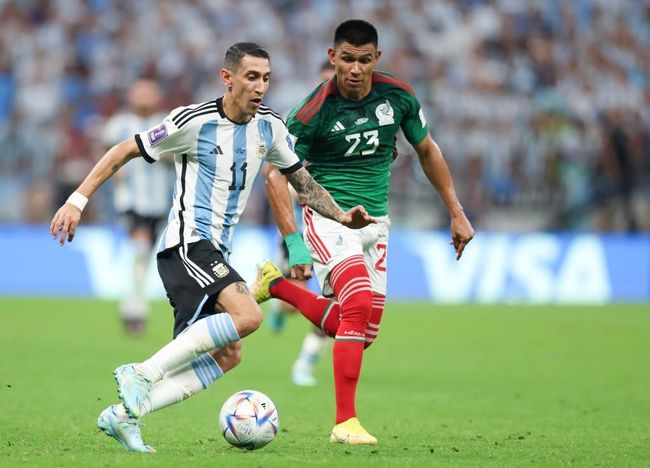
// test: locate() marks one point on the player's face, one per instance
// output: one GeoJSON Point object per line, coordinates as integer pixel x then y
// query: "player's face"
{"type": "Point", "coordinates": [353, 68]}
{"type": "Point", "coordinates": [246, 87]}
{"type": "Point", "coordinates": [144, 97]}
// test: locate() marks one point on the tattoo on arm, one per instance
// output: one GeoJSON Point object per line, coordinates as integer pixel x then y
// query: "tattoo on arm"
{"type": "Point", "coordinates": [242, 288]}
{"type": "Point", "coordinates": [313, 195]}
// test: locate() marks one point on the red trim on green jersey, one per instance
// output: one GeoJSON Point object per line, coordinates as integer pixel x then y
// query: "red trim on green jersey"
{"type": "Point", "coordinates": [314, 104]}
{"type": "Point", "coordinates": [378, 77]}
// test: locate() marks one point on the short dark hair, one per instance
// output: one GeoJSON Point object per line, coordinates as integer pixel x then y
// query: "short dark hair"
{"type": "Point", "coordinates": [356, 32]}
{"type": "Point", "coordinates": [236, 52]}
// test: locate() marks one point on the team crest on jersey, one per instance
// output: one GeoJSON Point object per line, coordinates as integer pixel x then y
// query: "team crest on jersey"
{"type": "Point", "coordinates": [157, 134]}
{"type": "Point", "coordinates": [385, 113]}
{"type": "Point", "coordinates": [220, 270]}
{"type": "Point", "coordinates": [261, 150]}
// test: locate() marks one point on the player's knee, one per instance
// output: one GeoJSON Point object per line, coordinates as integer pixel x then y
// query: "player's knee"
{"type": "Point", "coordinates": [247, 319]}
{"type": "Point", "coordinates": [357, 307]}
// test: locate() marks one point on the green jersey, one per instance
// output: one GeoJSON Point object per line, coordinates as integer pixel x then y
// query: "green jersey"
{"type": "Point", "coordinates": [349, 146]}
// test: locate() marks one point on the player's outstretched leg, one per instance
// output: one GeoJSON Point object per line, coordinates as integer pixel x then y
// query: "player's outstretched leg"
{"type": "Point", "coordinates": [321, 311]}
{"type": "Point", "coordinates": [351, 432]}
{"type": "Point", "coordinates": [115, 422]}
{"type": "Point", "coordinates": [267, 274]}
{"type": "Point", "coordinates": [133, 389]}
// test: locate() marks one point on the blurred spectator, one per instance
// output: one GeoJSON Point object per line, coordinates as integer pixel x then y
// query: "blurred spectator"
{"type": "Point", "coordinates": [543, 105]}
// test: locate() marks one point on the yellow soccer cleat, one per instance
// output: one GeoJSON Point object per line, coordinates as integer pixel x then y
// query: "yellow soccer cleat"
{"type": "Point", "coordinates": [351, 432]}
{"type": "Point", "coordinates": [266, 274]}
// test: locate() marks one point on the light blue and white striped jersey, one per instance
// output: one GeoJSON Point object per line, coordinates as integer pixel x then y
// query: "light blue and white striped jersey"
{"type": "Point", "coordinates": [216, 163]}
{"type": "Point", "coordinates": [138, 186]}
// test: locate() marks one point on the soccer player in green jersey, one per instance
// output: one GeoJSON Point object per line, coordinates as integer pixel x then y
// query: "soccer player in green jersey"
{"type": "Point", "coordinates": [345, 133]}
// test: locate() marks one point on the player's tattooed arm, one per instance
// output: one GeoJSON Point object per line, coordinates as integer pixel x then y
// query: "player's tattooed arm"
{"type": "Point", "coordinates": [313, 195]}
{"type": "Point", "coordinates": [317, 198]}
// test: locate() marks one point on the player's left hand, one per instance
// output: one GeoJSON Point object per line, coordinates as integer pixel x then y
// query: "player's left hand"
{"type": "Point", "coordinates": [356, 218]}
{"type": "Point", "coordinates": [461, 233]}
{"type": "Point", "coordinates": [65, 221]}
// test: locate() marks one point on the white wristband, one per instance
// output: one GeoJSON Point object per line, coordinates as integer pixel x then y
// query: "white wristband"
{"type": "Point", "coordinates": [77, 200]}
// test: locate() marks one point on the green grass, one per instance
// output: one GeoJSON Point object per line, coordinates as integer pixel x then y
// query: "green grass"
{"type": "Point", "coordinates": [443, 385]}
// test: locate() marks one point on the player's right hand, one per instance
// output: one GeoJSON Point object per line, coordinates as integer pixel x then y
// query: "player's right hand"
{"type": "Point", "coordinates": [301, 272]}
{"type": "Point", "coordinates": [356, 218]}
{"type": "Point", "coordinates": [65, 221]}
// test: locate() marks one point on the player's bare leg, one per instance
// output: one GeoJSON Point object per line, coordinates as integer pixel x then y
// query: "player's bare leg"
{"type": "Point", "coordinates": [134, 309]}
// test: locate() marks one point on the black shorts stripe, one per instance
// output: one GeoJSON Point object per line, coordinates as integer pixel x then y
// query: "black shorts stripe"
{"type": "Point", "coordinates": [193, 269]}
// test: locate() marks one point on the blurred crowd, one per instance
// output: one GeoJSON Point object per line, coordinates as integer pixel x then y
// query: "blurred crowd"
{"type": "Point", "coordinates": [541, 107]}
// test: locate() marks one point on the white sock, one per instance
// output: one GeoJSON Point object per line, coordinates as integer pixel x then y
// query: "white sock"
{"type": "Point", "coordinates": [313, 347]}
{"type": "Point", "coordinates": [214, 331]}
{"type": "Point", "coordinates": [183, 382]}
{"type": "Point", "coordinates": [135, 305]}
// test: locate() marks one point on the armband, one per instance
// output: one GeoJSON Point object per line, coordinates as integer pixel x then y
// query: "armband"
{"type": "Point", "coordinates": [298, 252]}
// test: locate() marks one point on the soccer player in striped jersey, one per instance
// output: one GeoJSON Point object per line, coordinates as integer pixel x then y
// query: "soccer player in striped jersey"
{"type": "Point", "coordinates": [142, 195]}
{"type": "Point", "coordinates": [218, 148]}
{"type": "Point", "coordinates": [345, 132]}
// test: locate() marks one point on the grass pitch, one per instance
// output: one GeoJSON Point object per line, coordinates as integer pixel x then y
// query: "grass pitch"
{"type": "Point", "coordinates": [443, 385]}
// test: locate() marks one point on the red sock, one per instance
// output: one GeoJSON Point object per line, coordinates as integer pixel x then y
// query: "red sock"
{"type": "Point", "coordinates": [322, 312]}
{"type": "Point", "coordinates": [378, 302]}
{"type": "Point", "coordinates": [351, 284]}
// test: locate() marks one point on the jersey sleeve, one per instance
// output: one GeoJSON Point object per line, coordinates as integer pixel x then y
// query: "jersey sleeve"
{"type": "Point", "coordinates": [414, 125]}
{"type": "Point", "coordinates": [282, 154]}
{"type": "Point", "coordinates": [162, 140]}
{"type": "Point", "coordinates": [301, 135]}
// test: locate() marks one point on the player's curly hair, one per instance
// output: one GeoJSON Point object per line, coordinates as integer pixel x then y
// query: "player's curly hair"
{"type": "Point", "coordinates": [356, 32]}
{"type": "Point", "coordinates": [236, 52]}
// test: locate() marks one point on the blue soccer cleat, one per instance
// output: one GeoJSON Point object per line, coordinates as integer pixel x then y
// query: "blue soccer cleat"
{"type": "Point", "coordinates": [124, 429]}
{"type": "Point", "coordinates": [302, 377]}
{"type": "Point", "coordinates": [133, 388]}
{"type": "Point", "coordinates": [277, 319]}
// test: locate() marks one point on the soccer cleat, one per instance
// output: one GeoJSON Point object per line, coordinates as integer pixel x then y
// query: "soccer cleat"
{"type": "Point", "coordinates": [124, 429]}
{"type": "Point", "coordinates": [133, 388]}
{"type": "Point", "coordinates": [303, 378]}
{"type": "Point", "coordinates": [277, 320]}
{"type": "Point", "coordinates": [351, 432]}
{"type": "Point", "coordinates": [267, 273]}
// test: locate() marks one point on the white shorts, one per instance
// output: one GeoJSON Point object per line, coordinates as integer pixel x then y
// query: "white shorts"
{"type": "Point", "coordinates": [330, 243]}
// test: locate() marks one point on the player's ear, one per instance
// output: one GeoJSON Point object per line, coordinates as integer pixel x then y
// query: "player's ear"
{"type": "Point", "coordinates": [226, 77]}
{"type": "Point", "coordinates": [331, 53]}
{"type": "Point", "coordinates": [377, 55]}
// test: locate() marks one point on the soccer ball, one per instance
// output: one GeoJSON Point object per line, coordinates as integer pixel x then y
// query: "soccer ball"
{"type": "Point", "coordinates": [249, 420]}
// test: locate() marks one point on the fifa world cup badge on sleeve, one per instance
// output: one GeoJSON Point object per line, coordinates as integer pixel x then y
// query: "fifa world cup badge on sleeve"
{"type": "Point", "coordinates": [157, 134]}
{"type": "Point", "coordinates": [290, 142]}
